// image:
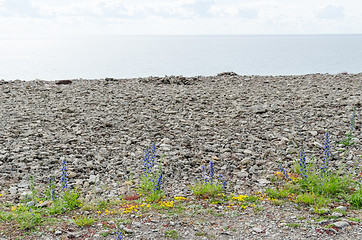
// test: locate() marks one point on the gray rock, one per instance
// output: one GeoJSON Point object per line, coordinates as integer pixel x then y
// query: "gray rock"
{"type": "Point", "coordinates": [25, 195]}
{"type": "Point", "coordinates": [13, 190]}
{"type": "Point", "coordinates": [341, 208]}
{"type": "Point", "coordinates": [313, 133]}
{"type": "Point", "coordinates": [128, 230]}
{"type": "Point", "coordinates": [242, 174]}
{"type": "Point", "coordinates": [247, 151]}
{"type": "Point", "coordinates": [58, 232]}
{"type": "Point", "coordinates": [317, 144]}
{"type": "Point", "coordinates": [137, 224]}
{"type": "Point", "coordinates": [23, 184]}
{"type": "Point", "coordinates": [337, 214]}
{"type": "Point", "coordinates": [31, 204]}
{"type": "Point", "coordinates": [341, 224]}
{"type": "Point", "coordinates": [263, 181]}
{"type": "Point", "coordinates": [72, 174]}
{"type": "Point", "coordinates": [93, 179]}
{"type": "Point", "coordinates": [257, 229]}
{"type": "Point", "coordinates": [246, 161]}
{"type": "Point", "coordinates": [105, 232]}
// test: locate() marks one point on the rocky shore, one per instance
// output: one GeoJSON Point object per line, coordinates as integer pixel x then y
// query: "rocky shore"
{"type": "Point", "coordinates": [245, 124]}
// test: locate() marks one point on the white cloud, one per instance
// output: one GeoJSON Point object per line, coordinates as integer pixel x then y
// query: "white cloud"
{"type": "Point", "coordinates": [331, 12]}
{"type": "Point", "coordinates": [18, 8]}
{"type": "Point", "coordinates": [242, 12]}
{"type": "Point", "coordinates": [200, 8]}
{"type": "Point", "coordinates": [181, 16]}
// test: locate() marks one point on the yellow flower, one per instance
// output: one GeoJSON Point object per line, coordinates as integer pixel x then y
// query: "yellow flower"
{"type": "Point", "coordinates": [180, 198]}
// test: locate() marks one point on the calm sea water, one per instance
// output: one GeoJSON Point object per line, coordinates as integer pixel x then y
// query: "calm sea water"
{"type": "Point", "coordinates": [90, 57]}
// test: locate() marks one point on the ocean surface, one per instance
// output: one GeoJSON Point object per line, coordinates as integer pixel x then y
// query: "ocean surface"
{"type": "Point", "coordinates": [117, 56]}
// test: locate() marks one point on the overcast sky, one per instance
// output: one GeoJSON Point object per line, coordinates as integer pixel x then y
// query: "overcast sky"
{"type": "Point", "coordinates": [180, 16]}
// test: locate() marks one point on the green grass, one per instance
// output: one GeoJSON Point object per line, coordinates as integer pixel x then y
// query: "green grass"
{"type": "Point", "coordinates": [84, 221]}
{"type": "Point", "coordinates": [5, 216]}
{"type": "Point", "coordinates": [151, 181]}
{"type": "Point", "coordinates": [28, 219]}
{"type": "Point", "coordinates": [317, 186]}
{"type": "Point", "coordinates": [200, 234]}
{"type": "Point", "coordinates": [293, 225]}
{"type": "Point", "coordinates": [172, 234]}
{"type": "Point", "coordinates": [206, 189]}
{"type": "Point", "coordinates": [355, 219]}
{"type": "Point", "coordinates": [356, 199]}
{"type": "Point", "coordinates": [259, 209]}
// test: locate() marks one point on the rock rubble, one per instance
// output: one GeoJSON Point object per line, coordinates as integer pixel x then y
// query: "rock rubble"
{"type": "Point", "coordinates": [245, 124]}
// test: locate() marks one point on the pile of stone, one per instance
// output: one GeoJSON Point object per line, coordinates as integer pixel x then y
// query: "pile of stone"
{"type": "Point", "coordinates": [246, 125]}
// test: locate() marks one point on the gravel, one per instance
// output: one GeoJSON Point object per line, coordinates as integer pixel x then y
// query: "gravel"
{"type": "Point", "coordinates": [245, 124]}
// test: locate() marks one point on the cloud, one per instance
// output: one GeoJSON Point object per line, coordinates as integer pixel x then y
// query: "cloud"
{"type": "Point", "coordinates": [199, 8]}
{"type": "Point", "coordinates": [247, 13]}
{"type": "Point", "coordinates": [19, 8]}
{"type": "Point", "coordinates": [235, 12]}
{"type": "Point", "coordinates": [331, 12]}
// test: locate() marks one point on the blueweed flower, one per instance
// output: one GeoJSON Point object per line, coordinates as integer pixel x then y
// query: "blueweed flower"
{"type": "Point", "coordinates": [64, 177]}
{"type": "Point", "coordinates": [159, 182]}
{"type": "Point", "coordinates": [327, 152]}
{"type": "Point", "coordinates": [153, 155]}
{"type": "Point", "coordinates": [212, 170]}
{"type": "Point", "coordinates": [146, 161]}
{"type": "Point", "coordinates": [204, 175]}
{"type": "Point", "coordinates": [118, 234]}
{"type": "Point", "coordinates": [224, 185]}
{"type": "Point", "coordinates": [286, 175]}
{"type": "Point", "coordinates": [302, 164]}
{"type": "Point", "coordinates": [53, 195]}
{"type": "Point", "coordinates": [223, 182]}
{"type": "Point", "coordinates": [149, 159]}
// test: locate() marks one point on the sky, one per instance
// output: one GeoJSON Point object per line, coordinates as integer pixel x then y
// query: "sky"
{"type": "Point", "coordinates": [180, 16]}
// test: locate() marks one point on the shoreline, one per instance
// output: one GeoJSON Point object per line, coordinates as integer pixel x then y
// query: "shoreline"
{"type": "Point", "coordinates": [191, 118]}
{"type": "Point", "coordinates": [196, 76]}
{"type": "Point", "coordinates": [246, 125]}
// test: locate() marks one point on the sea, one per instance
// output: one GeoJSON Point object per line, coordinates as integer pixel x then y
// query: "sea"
{"type": "Point", "coordinates": [29, 57]}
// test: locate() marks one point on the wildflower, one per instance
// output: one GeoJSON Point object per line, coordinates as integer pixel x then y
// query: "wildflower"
{"type": "Point", "coordinates": [159, 182]}
{"type": "Point", "coordinates": [204, 174]}
{"type": "Point", "coordinates": [302, 164]}
{"type": "Point", "coordinates": [212, 170]}
{"type": "Point", "coordinates": [153, 154]}
{"type": "Point", "coordinates": [180, 198]}
{"type": "Point", "coordinates": [52, 188]}
{"type": "Point", "coordinates": [286, 175]}
{"type": "Point", "coordinates": [224, 185]}
{"type": "Point", "coordinates": [118, 234]}
{"type": "Point", "coordinates": [64, 178]}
